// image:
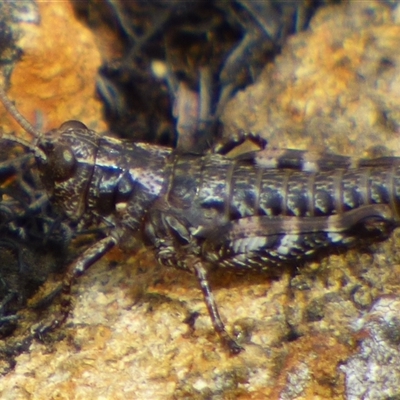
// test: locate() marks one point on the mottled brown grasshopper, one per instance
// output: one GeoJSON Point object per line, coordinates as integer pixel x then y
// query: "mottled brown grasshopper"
{"type": "Point", "coordinates": [257, 210]}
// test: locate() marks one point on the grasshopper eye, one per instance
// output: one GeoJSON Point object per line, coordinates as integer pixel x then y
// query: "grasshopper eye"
{"type": "Point", "coordinates": [63, 163]}
{"type": "Point", "coordinates": [72, 125]}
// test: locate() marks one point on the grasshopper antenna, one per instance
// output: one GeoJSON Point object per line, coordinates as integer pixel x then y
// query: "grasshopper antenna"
{"type": "Point", "coordinates": [24, 124]}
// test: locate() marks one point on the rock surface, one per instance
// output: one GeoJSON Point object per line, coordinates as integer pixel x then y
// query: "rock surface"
{"type": "Point", "coordinates": [334, 87]}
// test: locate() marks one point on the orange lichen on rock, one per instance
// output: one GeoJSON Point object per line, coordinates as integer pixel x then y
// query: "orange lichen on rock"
{"type": "Point", "coordinates": [310, 369]}
{"type": "Point", "coordinates": [55, 78]}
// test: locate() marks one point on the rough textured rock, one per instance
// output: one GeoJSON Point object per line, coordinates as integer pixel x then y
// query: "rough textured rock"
{"type": "Point", "coordinates": [336, 87]}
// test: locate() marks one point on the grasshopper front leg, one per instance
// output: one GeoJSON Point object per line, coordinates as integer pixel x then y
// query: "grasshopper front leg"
{"type": "Point", "coordinates": [75, 269]}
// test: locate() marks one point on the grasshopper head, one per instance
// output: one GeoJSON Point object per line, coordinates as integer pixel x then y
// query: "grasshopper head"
{"type": "Point", "coordinates": [66, 162]}
{"type": "Point", "coordinates": [66, 159]}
